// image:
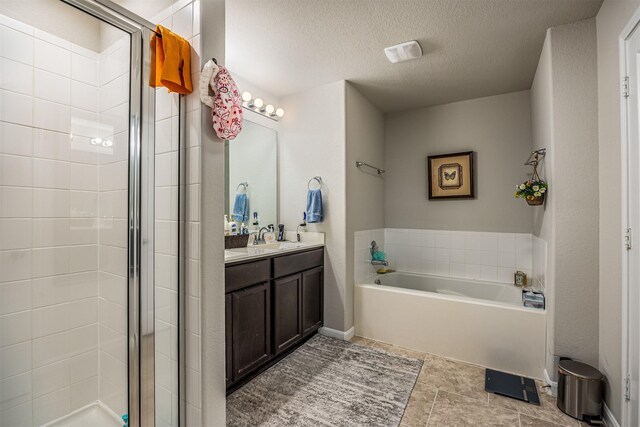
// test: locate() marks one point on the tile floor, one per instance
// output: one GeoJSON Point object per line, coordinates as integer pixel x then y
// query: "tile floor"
{"type": "Point", "coordinates": [451, 393]}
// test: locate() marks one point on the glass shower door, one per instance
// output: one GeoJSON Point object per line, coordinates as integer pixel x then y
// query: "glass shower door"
{"type": "Point", "coordinates": [72, 209]}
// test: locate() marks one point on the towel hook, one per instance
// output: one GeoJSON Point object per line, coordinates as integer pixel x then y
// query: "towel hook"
{"type": "Point", "coordinates": [244, 185]}
{"type": "Point", "coordinates": [534, 157]}
{"type": "Point", "coordinates": [315, 178]}
{"type": "Point", "coordinates": [534, 160]}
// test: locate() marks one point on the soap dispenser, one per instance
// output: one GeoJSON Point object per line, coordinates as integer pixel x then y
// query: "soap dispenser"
{"type": "Point", "coordinates": [226, 225]}
{"type": "Point", "coordinates": [255, 225]}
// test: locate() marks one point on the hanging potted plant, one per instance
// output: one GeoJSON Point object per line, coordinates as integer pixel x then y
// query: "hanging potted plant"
{"type": "Point", "coordinates": [532, 191]}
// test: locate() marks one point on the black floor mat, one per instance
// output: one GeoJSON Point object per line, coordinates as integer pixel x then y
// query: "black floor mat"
{"type": "Point", "coordinates": [510, 385]}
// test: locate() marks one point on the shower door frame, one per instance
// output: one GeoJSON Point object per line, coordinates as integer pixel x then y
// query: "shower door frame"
{"type": "Point", "coordinates": [141, 326]}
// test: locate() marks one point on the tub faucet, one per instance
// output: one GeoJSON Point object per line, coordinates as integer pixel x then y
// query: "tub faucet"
{"type": "Point", "coordinates": [376, 262]}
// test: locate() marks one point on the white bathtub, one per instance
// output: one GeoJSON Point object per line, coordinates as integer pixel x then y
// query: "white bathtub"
{"type": "Point", "coordinates": [474, 321]}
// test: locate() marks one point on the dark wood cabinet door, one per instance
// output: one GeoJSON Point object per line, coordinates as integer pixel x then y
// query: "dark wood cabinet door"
{"type": "Point", "coordinates": [287, 312]}
{"type": "Point", "coordinates": [251, 329]}
{"type": "Point", "coordinates": [312, 300]}
{"type": "Point", "coordinates": [228, 335]}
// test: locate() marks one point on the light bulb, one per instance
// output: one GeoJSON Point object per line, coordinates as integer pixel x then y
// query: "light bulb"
{"type": "Point", "coordinates": [269, 109]}
{"type": "Point", "coordinates": [246, 96]}
{"type": "Point", "coordinates": [107, 143]}
{"type": "Point", "coordinates": [96, 141]}
{"type": "Point", "coordinates": [279, 112]}
{"type": "Point", "coordinates": [258, 102]}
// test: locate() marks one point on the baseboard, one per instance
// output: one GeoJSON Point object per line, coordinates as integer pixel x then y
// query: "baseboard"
{"type": "Point", "coordinates": [609, 418]}
{"type": "Point", "coordinates": [553, 384]}
{"type": "Point", "coordinates": [334, 333]}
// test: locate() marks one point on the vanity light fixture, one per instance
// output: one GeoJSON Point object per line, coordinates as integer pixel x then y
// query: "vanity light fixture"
{"type": "Point", "coordinates": [257, 105]}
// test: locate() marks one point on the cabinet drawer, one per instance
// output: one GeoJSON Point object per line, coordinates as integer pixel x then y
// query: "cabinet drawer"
{"type": "Point", "coordinates": [243, 275]}
{"type": "Point", "coordinates": [295, 263]}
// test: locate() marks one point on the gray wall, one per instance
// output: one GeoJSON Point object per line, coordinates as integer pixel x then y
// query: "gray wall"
{"type": "Point", "coordinates": [312, 142]}
{"type": "Point", "coordinates": [575, 163]}
{"type": "Point", "coordinates": [565, 85]}
{"type": "Point", "coordinates": [212, 207]}
{"type": "Point", "coordinates": [496, 128]}
{"type": "Point", "coordinates": [611, 19]}
{"type": "Point", "coordinates": [543, 225]}
{"type": "Point", "coordinates": [365, 188]}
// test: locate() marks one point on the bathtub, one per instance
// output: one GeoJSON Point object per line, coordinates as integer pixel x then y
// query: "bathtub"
{"type": "Point", "coordinates": [478, 322]}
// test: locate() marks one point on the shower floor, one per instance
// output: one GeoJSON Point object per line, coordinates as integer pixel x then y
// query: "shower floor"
{"type": "Point", "coordinates": [94, 415]}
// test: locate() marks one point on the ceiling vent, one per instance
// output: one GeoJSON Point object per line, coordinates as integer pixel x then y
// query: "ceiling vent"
{"type": "Point", "coordinates": [403, 52]}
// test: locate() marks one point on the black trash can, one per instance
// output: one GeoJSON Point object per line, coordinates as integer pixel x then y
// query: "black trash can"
{"type": "Point", "coordinates": [580, 389]}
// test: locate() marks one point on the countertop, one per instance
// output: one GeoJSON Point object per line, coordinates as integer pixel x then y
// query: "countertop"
{"type": "Point", "coordinates": [265, 251]}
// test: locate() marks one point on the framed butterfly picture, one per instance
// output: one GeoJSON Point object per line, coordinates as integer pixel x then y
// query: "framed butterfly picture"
{"type": "Point", "coordinates": [450, 176]}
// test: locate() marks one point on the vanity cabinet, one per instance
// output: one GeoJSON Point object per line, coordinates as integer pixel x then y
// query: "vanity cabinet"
{"type": "Point", "coordinates": [228, 335]}
{"type": "Point", "coordinates": [251, 335]}
{"type": "Point", "coordinates": [287, 311]}
{"type": "Point", "coordinates": [312, 300]}
{"type": "Point", "coordinates": [271, 306]}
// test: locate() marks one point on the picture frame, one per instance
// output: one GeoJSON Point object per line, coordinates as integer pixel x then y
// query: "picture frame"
{"type": "Point", "coordinates": [451, 176]}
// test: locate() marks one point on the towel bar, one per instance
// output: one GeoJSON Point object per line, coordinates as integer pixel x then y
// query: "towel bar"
{"type": "Point", "coordinates": [360, 164]}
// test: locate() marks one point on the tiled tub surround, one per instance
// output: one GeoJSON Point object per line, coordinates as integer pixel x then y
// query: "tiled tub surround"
{"type": "Point", "coordinates": [493, 257]}
{"type": "Point", "coordinates": [63, 227]}
{"type": "Point", "coordinates": [472, 330]}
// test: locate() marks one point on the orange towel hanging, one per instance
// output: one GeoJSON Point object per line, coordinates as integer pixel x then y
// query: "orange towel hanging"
{"type": "Point", "coordinates": [171, 55]}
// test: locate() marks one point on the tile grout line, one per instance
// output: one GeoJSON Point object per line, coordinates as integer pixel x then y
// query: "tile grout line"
{"type": "Point", "coordinates": [433, 404]}
{"type": "Point", "coordinates": [412, 388]}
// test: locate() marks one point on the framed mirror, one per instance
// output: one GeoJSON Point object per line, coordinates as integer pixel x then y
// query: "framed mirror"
{"type": "Point", "coordinates": [251, 167]}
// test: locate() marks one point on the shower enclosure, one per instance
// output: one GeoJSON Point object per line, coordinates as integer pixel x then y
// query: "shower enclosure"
{"type": "Point", "coordinates": [89, 221]}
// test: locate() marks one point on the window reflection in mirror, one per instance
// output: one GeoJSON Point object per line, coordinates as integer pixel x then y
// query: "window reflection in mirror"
{"type": "Point", "coordinates": [252, 158]}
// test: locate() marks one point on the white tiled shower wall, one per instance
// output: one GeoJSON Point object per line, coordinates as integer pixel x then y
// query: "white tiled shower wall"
{"type": "Point", "coordinates": [62, 212]}
{"type": "Point", "coordinates": [482, 256]}
{"type": "Point", "coordinates": [62, 209]}
{"type": "Point", "coordinates": [113, 115]}
{"type": "Point", "coordinates": [182, 18]}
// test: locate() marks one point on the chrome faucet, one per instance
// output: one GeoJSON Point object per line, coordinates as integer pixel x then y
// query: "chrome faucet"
{"type": "Point", "coordinates": [259, 240]}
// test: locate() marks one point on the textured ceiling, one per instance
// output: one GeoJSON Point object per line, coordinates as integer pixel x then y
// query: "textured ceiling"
{"type": "Point", "coordinates": [472, 48]}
